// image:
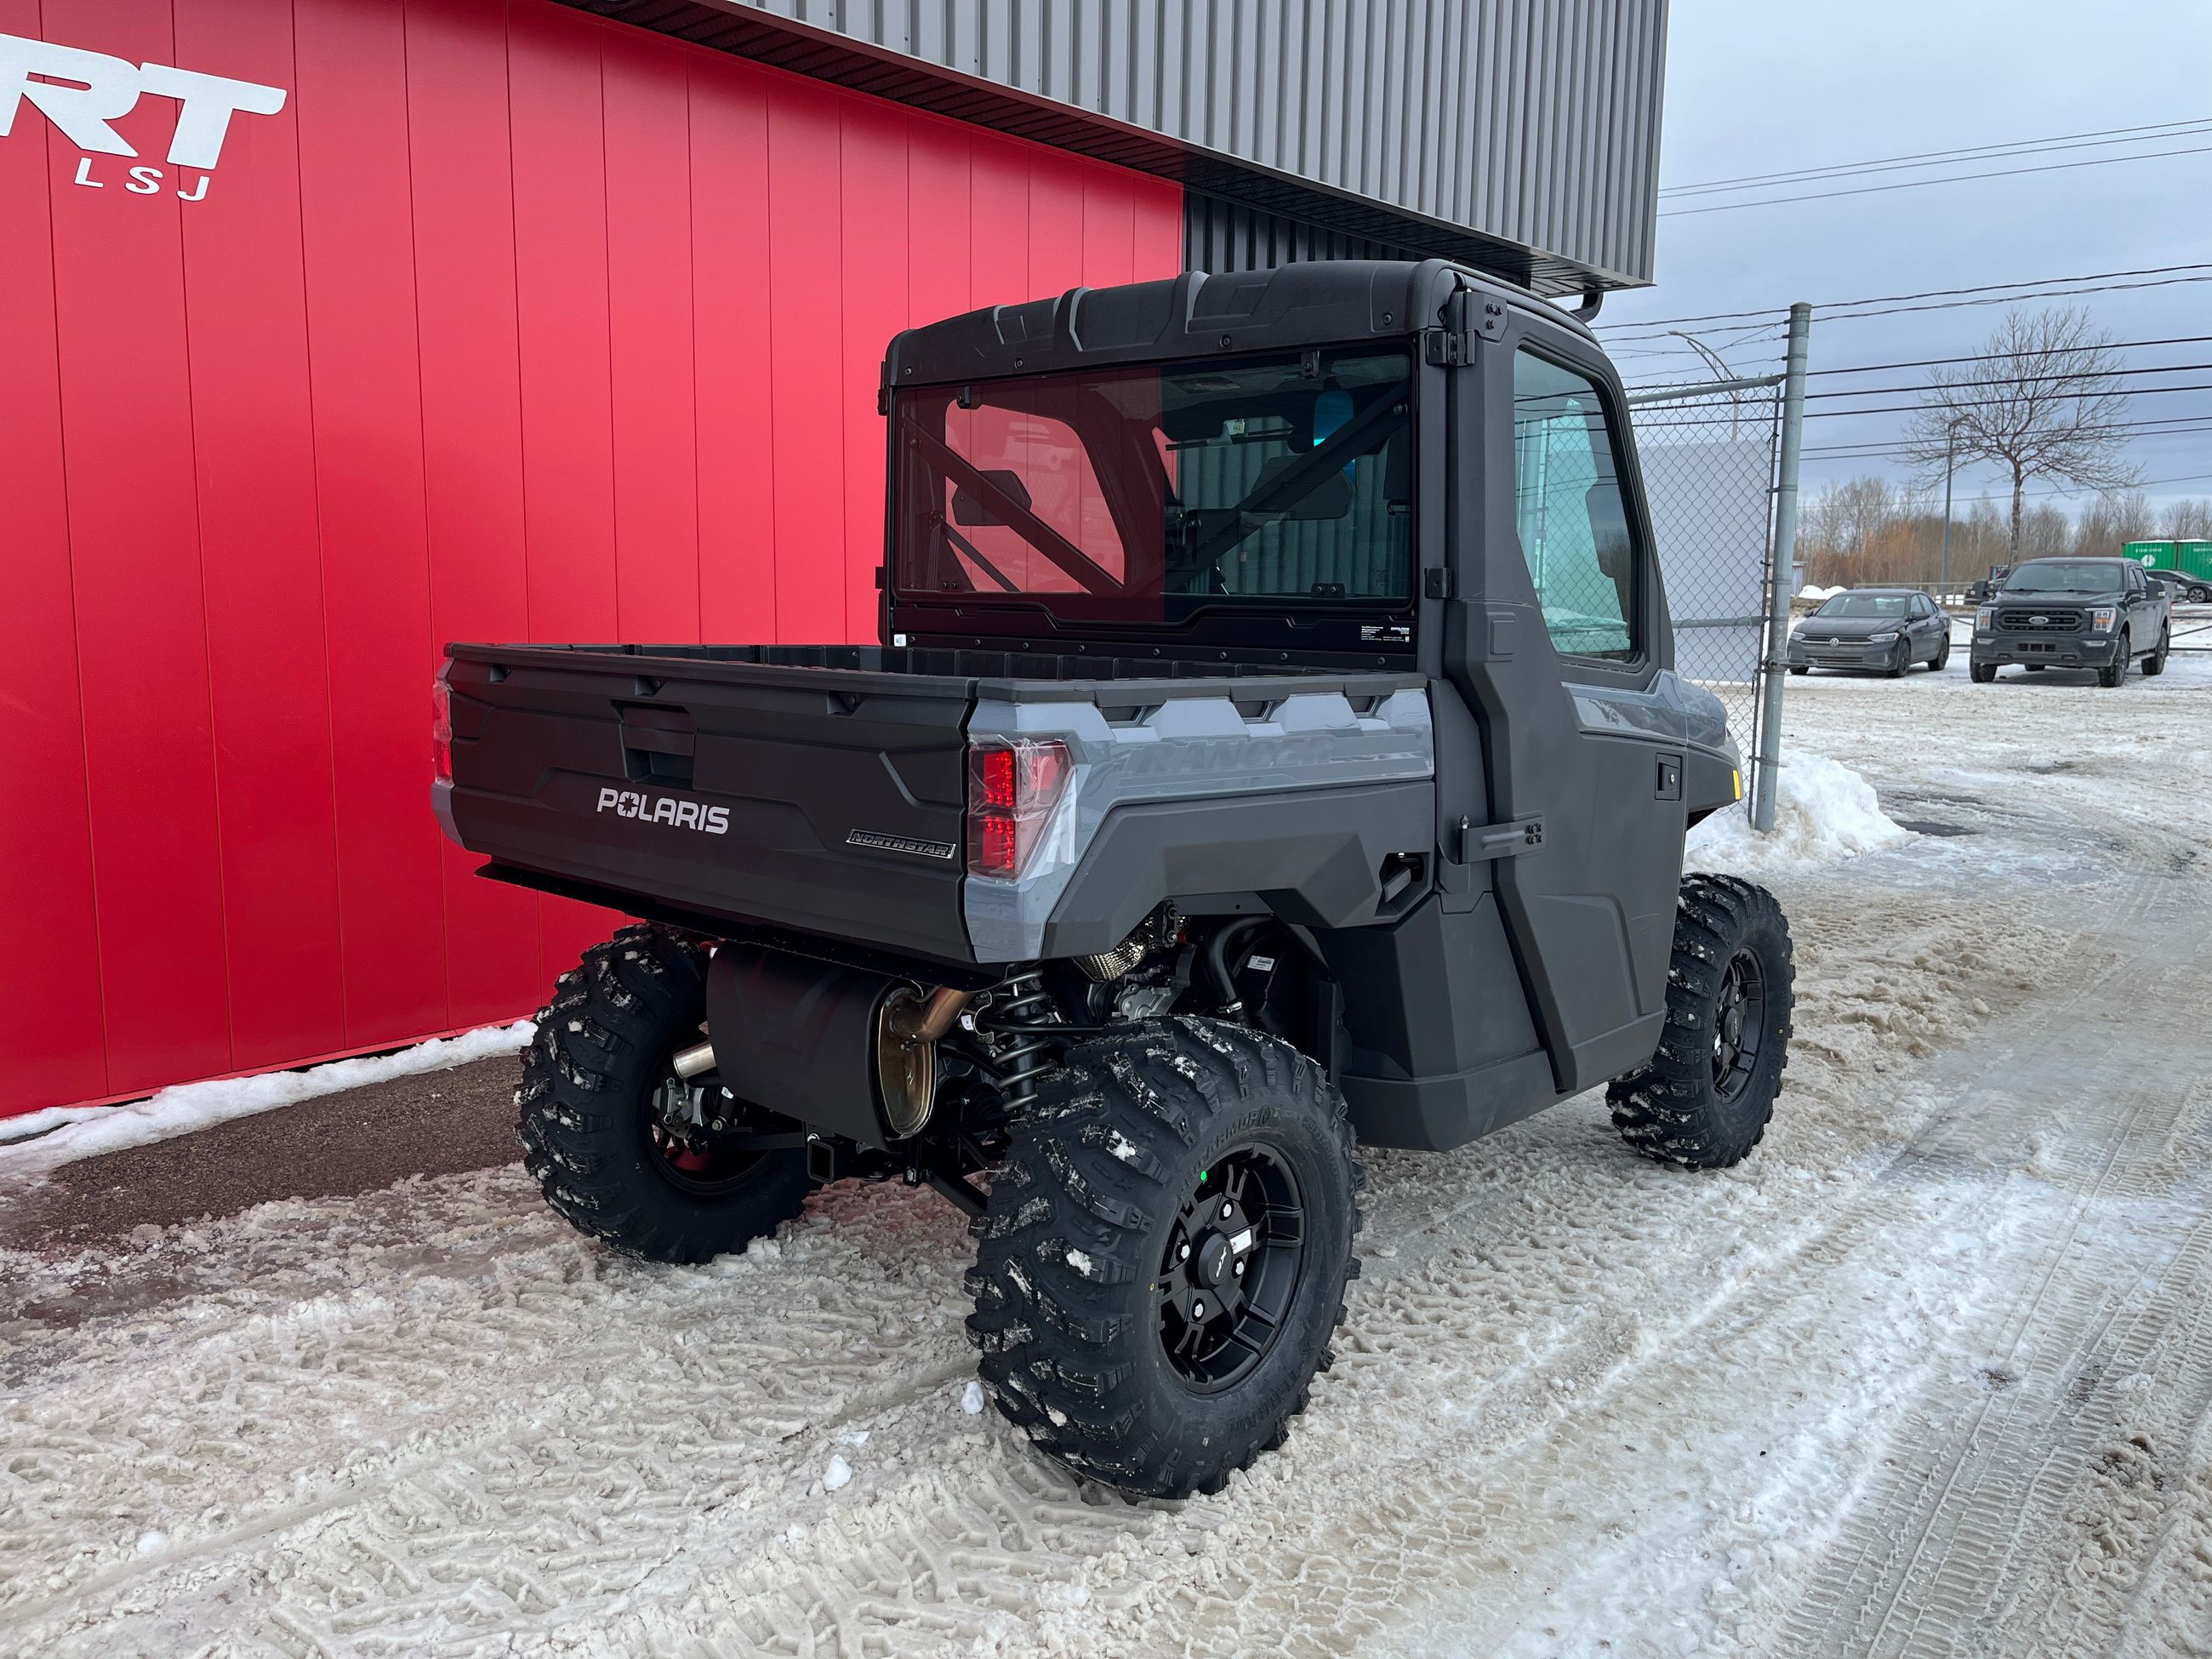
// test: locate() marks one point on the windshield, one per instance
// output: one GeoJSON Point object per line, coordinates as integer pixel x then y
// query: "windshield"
{"type": "Point", "coordinates": [1866, 605]}
{"type": "Point", "coordinates": [1145, 495]}
{"type": "Point", "coordinates": [2065, 576]}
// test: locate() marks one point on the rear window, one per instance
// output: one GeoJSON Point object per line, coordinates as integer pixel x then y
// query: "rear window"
{"type": "Point", "coordinates": [1148, 494]}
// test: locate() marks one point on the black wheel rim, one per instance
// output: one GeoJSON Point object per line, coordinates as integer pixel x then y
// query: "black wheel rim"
{"type": "Point", "coordinates": [683, 1144]}
{"type": "Point", "coordinates": [1739, 1025]}
{"type": "Point", "coordinates": [1228, 1276]}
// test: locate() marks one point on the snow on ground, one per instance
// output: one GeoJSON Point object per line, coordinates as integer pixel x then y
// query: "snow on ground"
{"type": "Point", "coordinates": [1823, 812]}
{"type": "Point", "coordinates": [1929, 1373]}
{"type": "Point", "coordinates": [38, 1141]}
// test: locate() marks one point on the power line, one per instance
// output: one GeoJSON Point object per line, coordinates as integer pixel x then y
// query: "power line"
{"type": "Point", "coordinates": [1972, 357]}
{"type": "Point", "coordinates": [2153, 426]}
{"type": "Point", "coordinates": [1983, 403]}
{"type": "Point", "coordinates": [1922, 184]}
{"type": "Point", "coordinates": [2188, 129]}
{"type": "Point", "coordinates": [1980, 357]}
{"type": "Point", "coordinates": [2147, 483]}
{"type": "Point", "coordinates": [2025, 379]}
{"type": "Point", "coordinates": [2014, 299]}
{"type": "Point", "coordinates": [1833, 305]}
{"type": "Point", "coordinates": [1844, 316]}
{"type": "Point", "coordinates": [1923, 155]}
{"type": "Point", "coordinates": [1876, 448]}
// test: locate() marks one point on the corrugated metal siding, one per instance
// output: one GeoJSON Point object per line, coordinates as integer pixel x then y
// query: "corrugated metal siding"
{"type": "Point", "coordinates": [1221, 236]}
{"type": "Point", "coordinates": [1536, 121]}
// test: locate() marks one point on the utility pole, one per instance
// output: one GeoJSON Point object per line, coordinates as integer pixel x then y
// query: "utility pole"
{"type": "Point", "coordinates": [1766, 766]}
{"type": "Point", "coordinates": [1950, 443]}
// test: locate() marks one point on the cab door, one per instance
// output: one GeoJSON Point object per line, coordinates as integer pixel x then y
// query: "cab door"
{"type": "Point", "coordinates": [1928, 628]}
{"type": "Point", "coordinates": [2142, 612]}
{"type": "Point", "coordinates": [1566, 658]}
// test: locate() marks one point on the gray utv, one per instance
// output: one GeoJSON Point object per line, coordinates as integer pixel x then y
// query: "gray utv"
{"type": "Point", "coordinates": [1273, 746]}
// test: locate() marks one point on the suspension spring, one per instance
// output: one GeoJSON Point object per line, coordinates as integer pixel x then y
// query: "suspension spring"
{"type": "Point", "coordinates": [1023, 1058]}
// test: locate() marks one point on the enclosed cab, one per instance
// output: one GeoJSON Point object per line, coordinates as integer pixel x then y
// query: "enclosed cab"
{"type": "Point", "coordinates": [1273, 740]}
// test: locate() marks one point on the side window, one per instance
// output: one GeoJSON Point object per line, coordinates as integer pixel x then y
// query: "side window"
{"type": "Point", "coordinates": [1572, 517]}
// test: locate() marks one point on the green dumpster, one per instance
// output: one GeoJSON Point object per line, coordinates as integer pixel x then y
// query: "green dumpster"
{"type": "Point", "coordinates": [2159, 556]}
{"type": "Point", "coordinates": [2197, 559]}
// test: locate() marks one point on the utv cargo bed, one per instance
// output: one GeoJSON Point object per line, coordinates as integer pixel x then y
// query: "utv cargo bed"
{"type": "Point", "coordinates": [824, 789]}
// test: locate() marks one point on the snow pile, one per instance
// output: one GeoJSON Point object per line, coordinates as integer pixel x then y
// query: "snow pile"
{"type": "Point", "coordinates": [64, 1134]}
{"type": "Point", "coordinates": [1818, 594]}
{"type": "Point", "coordinates": [1825, 812]}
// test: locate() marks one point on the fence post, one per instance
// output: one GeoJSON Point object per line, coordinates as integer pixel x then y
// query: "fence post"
{"type": "Point", "coordinates": [1765, 773]}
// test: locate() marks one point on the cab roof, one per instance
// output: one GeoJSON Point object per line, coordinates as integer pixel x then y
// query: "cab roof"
{"type": "Point", "coordinates": [1321, 302]}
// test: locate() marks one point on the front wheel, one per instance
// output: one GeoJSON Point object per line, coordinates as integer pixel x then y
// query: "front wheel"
{"type": "Point", "coordinates": [624, 1150]}
{"type": "Point", "coordinates": [1981, 673]}
{"type": "Point", "coordinates": [1900, 660]}
{"type": "Point", "coordinates": [1166, 1254]}
{"type": "Point", "coordinates": [2111, 674]}
{"type": "Point", "coordinates": [1703, 1099]}
{"type": "Point", "coordinates": [1799, 668]}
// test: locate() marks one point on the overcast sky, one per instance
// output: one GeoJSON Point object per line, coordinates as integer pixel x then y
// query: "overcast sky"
{"type": "Point", "coordinates": [1759, 87]}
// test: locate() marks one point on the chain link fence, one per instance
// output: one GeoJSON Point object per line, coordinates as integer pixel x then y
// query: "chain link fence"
{"type": "Point", "coordinates": [1708, 455]}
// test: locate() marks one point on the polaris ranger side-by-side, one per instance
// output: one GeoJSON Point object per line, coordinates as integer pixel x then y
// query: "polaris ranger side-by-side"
{"type": "Point", "coordinates": [1275, 744]}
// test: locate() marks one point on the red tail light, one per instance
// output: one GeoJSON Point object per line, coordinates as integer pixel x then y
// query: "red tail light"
{"type": "Point", "coordinates": [442, 729]}
{"type": "Point", "coordinates": [1014, 784]}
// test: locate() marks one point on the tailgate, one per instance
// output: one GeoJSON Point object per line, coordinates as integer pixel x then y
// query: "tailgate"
{"type": "Point", "coordinates": [817, 798]}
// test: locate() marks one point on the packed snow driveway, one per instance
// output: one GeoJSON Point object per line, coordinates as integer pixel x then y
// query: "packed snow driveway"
{"type": "Point", "coordinates": [1929, 1374]}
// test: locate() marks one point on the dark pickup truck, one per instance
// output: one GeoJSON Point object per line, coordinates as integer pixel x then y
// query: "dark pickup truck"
{"type": "Point", "coordinates": [2100, 614]}
{"type": "Point", "coordinates": [1274, 740]}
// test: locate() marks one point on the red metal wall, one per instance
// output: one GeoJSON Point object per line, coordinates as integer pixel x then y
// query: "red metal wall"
{"type": "Point", "coordinates": [510, 325]}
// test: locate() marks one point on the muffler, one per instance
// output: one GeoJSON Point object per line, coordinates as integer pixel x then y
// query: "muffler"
{"type": "Point", "coordinates": [844, 1050]}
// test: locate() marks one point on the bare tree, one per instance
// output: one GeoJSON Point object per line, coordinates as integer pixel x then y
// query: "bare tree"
{"type": "Point", "coordinates": [2044, 400]}
{"type": "Point", "coordinates": [2110, 522]}
{"type": "Point", "coordinates": [2190, 520]}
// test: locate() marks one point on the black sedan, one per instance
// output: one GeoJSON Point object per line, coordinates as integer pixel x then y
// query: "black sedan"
{"type": "Point", "coordinates": [2182, 587]}
{"type": "Point", "coordinates": [1887, 629]}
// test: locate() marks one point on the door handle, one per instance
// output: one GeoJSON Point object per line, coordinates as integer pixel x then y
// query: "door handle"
{"type": "Point", "coordinates": [1499, 841]}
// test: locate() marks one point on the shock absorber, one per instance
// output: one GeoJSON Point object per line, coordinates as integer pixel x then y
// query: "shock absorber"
{"type": "Point", "coordinates": [1023, 1056]}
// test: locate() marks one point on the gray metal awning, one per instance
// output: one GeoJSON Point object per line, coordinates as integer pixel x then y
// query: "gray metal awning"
{"type": "Point", "coordinates": [845, 57]}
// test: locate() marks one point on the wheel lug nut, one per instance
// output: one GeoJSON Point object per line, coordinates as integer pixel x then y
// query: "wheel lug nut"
{"type": "Point", "coordinates": [1240, 1270]}
{"type": "Point", "coordinates": [1226, 1209]}
{"type": "Point", "coordinates": [1198, 1310]}
{"type": "Point", "coordinates": [1183, 1255]}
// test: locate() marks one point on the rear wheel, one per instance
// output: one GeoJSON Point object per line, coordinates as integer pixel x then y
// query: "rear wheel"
{"type": "Point", "coordinates": [2155, 663]}
{"type": "Point", "coordinates": [1942, 659]}
{"type": "Point", "coordinates": [1166, 1254]}
{"type": "Point", "coordinates": [1704, 1098]}
{"type": "Point", "coordinates": [624, 1150]}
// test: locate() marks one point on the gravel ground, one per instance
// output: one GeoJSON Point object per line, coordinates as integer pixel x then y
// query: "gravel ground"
{"type": "Point", "coordinates": [1930, 1374]}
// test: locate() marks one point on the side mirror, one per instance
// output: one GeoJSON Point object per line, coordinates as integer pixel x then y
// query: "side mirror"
{"type": "Point", "coordinates": [1327, 496]}
{"type": "Point", "coordinates": [971, 509]}
{"type": "Point", "coordinates": [1608, 523]}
